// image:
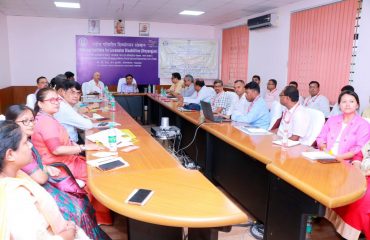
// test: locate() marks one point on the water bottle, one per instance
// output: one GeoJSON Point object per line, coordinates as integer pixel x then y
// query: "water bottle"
{"type": "Point", "coordinates": [112, 104]}
{"type": "Point", "coordinates": [153, 89]}
{"type": "Point", "coordinates": [284, 141]}
{"type": "Point", "coordinates": [163, 92]}
{"type": "Point", "coordinates": [309, 228]}
{"type": "Point", "coordinates": [149, 89]}
{"type": "Point", "coordinates": [112, 138]}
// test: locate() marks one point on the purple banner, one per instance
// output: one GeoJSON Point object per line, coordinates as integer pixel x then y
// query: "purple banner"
{"type": "Point", "coordinates": [114, 57]}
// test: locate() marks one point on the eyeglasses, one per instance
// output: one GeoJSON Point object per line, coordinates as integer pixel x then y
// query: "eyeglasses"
{"type": "Point", "coordinates": [27, 122]}
{"type": "Point", "coordinates": [281, 95]}
{"type": "Point", "coordinates": [53, 100]}
{"type": "Point", "coordinates": [77, 93]}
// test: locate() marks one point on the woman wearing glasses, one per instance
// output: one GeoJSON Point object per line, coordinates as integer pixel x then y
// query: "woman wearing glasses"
{"type": "Point", "coordinates": [52, 141]}
{"type": "Point", "coordinates": [73, 208]}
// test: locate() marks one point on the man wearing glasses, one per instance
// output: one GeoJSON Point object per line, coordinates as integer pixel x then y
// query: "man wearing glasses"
{"type": "Point", "coordinates": [42, 82]}
{"type": "Point", "coordinates": [70, 93]}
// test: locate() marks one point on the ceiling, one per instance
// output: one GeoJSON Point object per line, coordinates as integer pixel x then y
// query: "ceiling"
{"type": "Point", "coordinates": [216, 11]}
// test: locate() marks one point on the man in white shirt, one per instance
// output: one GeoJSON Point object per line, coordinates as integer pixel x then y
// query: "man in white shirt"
{"type": "Point", "coordinates": [221, 102]}
{"type": "Point", "coordinates": [42, 82]}
{"type": "Point", "coordinates": [202, 93]}
{"type": "Point", "coordinates": [240, 104]}
{"type": "Point", "coordinates": [295, 121]}
{"type": "Point", "coordinates": [70, 92]}
{"type": "Point", "coordinates": [316, 100]}
{"type": "Point", "coordinates": [295, 84]}
{"type": "Point", "coordinates": [94, 86]}
{"type": "Point", "coordinates": [272, 94]}
{"type": "Point", "coordinates": [127, 84]}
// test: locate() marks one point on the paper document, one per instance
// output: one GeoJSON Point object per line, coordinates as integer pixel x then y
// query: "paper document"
{"type": "Point", "coordinates": [102, 137]}
{"type": "Point", "coordinates": [96, 116]}
{"type": "Point", "coordinates": [253, 131]}
{"type": "Point", "coordinates": [317, 155]}
{"type": "Point", "coordinates": [291, 143]}
{"type": "Point", "coordinates": [100, 161]}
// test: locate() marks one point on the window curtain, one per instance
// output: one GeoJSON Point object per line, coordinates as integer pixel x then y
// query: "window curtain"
{"type": "Point", "coordinates": [320, 47]}
{"type": "Point", "coordinates": [234, 66]}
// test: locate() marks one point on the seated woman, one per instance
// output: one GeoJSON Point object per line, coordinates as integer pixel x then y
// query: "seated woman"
{"type": "Point", "coordinates": [52, 141]}
{"type": "Point", "coordinates": [78, 210]}
{"type": "Point", "coordinates": [344, 135]}
{"type": "Point", "coordinates": [27, 211]}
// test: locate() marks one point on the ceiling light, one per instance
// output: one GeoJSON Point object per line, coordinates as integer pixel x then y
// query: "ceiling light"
{"type": "Point", "coordinates": [67, 4]}
{"type": "Point", "coordinates": [192, 13]}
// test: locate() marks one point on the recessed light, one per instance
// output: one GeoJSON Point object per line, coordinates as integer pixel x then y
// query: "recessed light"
{"type": "Point", "coordinates": [192, 13]}
{"type": "Point", "coordinates": [67, 4]}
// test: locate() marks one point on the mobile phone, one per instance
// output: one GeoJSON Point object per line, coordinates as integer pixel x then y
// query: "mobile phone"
{"type": "Point", "coordinates": [328, 160]}
{"type": "Point", "coordinates": [139, 196]}
{"type": "Point", "coordinates": [102, 124]}
{"type": "Point", "coordinates": [111, 165]}
{"type": "Point", "coordinates": [102, 119]}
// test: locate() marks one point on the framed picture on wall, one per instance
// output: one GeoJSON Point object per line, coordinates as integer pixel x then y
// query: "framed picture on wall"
{"type": "Point", "coordinates": [144, 29]}
{"type": "Point", "coordinates": [93, 26]}
{"type": "Point", "coordinates": [119, 26]}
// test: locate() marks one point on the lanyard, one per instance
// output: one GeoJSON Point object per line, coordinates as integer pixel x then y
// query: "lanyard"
{"type": "Point", "coordinates": [287, 121]}
{"type": "Point", "coordinates": [312, 99]}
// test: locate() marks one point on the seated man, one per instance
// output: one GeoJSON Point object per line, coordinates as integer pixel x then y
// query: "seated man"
{"type": "Point", "coordinates": [177, 84]}
{"type": "Point", "coordinates": [295, 84]}
{"type": "Point", "coordinates": [202, 93]}
{"type": "Point", "coordinates": [67, 116]}
{"type": "Point", "coordinates": [42, 82]}
{"type": "Point", "coordinates": [240, 103]}
{"type": "Point", "coordinates": [94, 86]}
{"type": "Point", "coordinates": [257, 114]}
{"type": "Point", "coordinates": [127, 84]}
{"type": "Point", "coordinates": [335, 110]}
{"type": "Point", "coordinates": [317, 101]}
{"type": "Point", "coordinates": [272, 94]}
{"type": "Point", "coordinates": [188, 88]}
{"type": "Point", "coordinates": [295, 121]}
{"type": "Point", "coordinates": [221, 102]}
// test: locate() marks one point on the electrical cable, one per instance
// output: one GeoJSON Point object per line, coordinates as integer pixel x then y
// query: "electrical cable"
{"type": "Point", "coordinates": [192, 141]}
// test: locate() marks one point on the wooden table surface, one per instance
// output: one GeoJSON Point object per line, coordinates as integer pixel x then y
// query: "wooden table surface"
{"type": "Point", "coordinates": [332, 185]}
{"type": "Point", "coordinates": [182, 197]}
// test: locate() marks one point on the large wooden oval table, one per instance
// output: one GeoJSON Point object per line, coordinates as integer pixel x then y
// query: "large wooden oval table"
{"type": "Point", "coordinates": [182, 197]}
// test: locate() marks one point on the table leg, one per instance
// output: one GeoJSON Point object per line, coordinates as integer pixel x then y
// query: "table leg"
{"type": "Point", "coordinates": [202, 234]}
{"type": "Point", "coordinates": [138, 230]}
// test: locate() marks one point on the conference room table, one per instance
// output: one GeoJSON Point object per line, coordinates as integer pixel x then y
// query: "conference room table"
{"type": "Point", "coordinates": [182, 197]}
{"type": "Point", "coordinates": [279, 187]}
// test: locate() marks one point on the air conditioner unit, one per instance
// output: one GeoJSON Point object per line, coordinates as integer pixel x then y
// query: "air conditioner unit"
{"type": "Point", "coordinates": [262, 21]}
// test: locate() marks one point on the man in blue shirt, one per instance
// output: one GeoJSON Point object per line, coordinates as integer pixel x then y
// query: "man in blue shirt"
{"type": "Point", "coordinates": [257, 114]}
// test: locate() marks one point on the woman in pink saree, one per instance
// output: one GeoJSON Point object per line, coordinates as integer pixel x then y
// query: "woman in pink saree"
{"type": "Point", "coordinates": [52, 142]}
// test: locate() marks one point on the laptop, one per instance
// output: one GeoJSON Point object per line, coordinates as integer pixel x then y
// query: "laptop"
{"type": "Point", "coordinates": [208, 114]}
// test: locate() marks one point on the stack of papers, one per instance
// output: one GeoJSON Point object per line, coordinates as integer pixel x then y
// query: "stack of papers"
{"type": "Point", "coordinates": [317, 155]}
{"type": "Point", "coordinates": [253, 131]}
{"type": "Point", "coordinates": [102, 137]}
{"type": "Point", "coordinates": [291, 143]}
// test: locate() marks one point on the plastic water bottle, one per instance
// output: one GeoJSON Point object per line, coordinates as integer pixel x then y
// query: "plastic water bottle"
{"type": "Point", "coordinates": [284, 141]}
{"type": "Point", "coordinates": [153, 89]}
{"type": "Point", "coordinates": [112, 138]}
{"type": "Point", "coordinates": [112, 104]}
{"type": "Point", "coordinates": [163, 92]}
{"type": "Point", "coordinates": [309, 228]}
{"type": "Point", "coordinates": [149, 89]}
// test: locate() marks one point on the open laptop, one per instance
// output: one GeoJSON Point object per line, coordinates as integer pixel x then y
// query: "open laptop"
{"type": "Point", "coordinates": [208, 114]}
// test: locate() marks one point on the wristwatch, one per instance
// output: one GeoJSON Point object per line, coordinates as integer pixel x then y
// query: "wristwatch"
{"type": "Point", "coordinates": [82, 147]}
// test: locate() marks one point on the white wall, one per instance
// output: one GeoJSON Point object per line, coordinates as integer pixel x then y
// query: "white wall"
{"type": "Point", "coordinates": [46, 46]}
{"type": "Point", "coordinates": [361, 81]}
{"type": "Point", "coordinates": [269, 47]}
{"type": "Point", "coordinates": [5, 80]}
